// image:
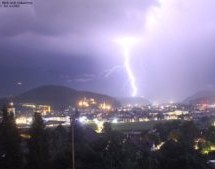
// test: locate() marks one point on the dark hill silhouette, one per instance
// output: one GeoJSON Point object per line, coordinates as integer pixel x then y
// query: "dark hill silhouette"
{"type": "Point", "coordinates": [205, 96]}
{"type": "Point", "coordinates": [60, 97]}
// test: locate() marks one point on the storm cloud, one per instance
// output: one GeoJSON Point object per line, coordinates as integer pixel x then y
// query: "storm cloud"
{"type": "Point", "coordinates": [70, 42]}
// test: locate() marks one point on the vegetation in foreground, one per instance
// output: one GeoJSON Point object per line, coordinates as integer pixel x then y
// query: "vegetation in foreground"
{"type": "Point", "coordinates": [168, 145]}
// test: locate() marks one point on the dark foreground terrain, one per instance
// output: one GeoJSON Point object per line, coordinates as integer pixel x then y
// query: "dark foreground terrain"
{"type": "Point", "coordinates": [175, 144]}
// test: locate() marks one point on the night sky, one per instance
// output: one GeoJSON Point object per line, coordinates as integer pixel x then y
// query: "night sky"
{"type": "Point", "coordinates": [71, 43]}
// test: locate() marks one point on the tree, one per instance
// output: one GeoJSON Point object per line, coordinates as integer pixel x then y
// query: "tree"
{"type": "Point", "coordinates": [210, 134]}
{"type": "Point", "coordinates": [189, 132]}
{"type": "Point", "coordinates": [58, 140]}
{"type": "Point", "coordinates": [175, 155]}
{"type": "Point", "coordinates": [147, 160]}
{"type": "Point", "coordinates": [10, 152]}
{"type": "Point", "coordinates": [117, 152]}
{"type": "Point", "coordinates": [59, 149]}
{"type": "Point", "coordinates": [164, 129]}
{"type": "Point", "coordinates": [38, 144]}
{"type": "Point", "coordinates": [107, 129]}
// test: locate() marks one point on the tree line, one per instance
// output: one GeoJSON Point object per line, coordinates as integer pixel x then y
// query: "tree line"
{"type": "Point", "coordinates": [44, 148]}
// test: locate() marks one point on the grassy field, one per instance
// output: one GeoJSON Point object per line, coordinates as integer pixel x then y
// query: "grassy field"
{"type": "Point", "coordinates": [130, 126]}
{"type": "Point", "coordinates": [135, 126]}
{"type": "Point", "coordinates": [92, 125]}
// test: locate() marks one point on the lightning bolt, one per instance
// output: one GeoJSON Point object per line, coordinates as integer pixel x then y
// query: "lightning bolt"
{"type": "Point", "coordinates": [131, 77]}
{"type": "Point", "coordinates": [126, 43]}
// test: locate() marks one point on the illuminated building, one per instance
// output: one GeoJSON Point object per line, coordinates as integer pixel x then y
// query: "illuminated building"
{"type": "Point", "coordinates": [44, 109]}
{"type": "Point", "coordinates": [84, 103]}
{"type": "Point", "coordinates": [54, 121]}
{"type": "Point", "coordinates": [50, 121]}
{"type": "Point", "coordinates": [11, 108]}
{"type": "Point", "coordinates": [32, 108]}
{"type": "Point", "coordinates": [105, 106]}
{"type": "Point", "coordinates": [174, 115]}
{"type": "Point", "coordinates": [28, 107]}
{"type": "Point", "coordinates": [22, 120]}
{"type": "Point", "coordinates": [91, 106]}
{"type": "Point", "coordinates": [92, 101]}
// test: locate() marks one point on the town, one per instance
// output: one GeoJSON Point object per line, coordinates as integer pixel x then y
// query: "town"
{"type": "Point", "coordinates": [91, 112]}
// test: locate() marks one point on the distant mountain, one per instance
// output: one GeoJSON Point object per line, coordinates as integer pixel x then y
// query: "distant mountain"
{"type": "Point", "coordinates": [60, 97]}
{"type": "Point", "coordinates": [133, 100]}
{"type": "Point", "coordinates": [205, 96]}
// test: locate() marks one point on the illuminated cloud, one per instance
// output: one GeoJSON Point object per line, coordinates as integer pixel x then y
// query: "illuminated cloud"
{"type": "Point", "coordinates": [175, 58]}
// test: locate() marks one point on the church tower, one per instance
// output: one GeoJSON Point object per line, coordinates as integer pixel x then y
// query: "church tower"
{"type": "Point", "coordinates": [11, 108]}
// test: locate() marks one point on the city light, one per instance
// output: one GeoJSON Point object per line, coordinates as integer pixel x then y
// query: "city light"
{"type": "Point", "coordinates": [208, 149]}
{"type": "Point", "coordinates": [115, 120]}
{"type": "Point", "coordinates": [126, 43]}
{"type": "Point", "coordinates": [23, 120]}
{"type": "Point", "coordinates": [105, 106]}
{"type": "Point", "coordinates": [85, 102]}
{"type": "Point", "coordinates": [83, 119]}
{"type": "Point", "coordinates": [99, 125]}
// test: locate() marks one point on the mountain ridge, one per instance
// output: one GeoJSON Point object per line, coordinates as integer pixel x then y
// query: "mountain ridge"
{"type": "Point", "coordinates": [202, 96]}
{"type": "Point", "coordinates": [60, 97]}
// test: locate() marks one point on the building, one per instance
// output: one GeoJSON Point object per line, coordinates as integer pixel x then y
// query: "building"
{"type": "Point", "coordinates": [11, 108]}
{"type": "Point", "coordinates": [30, 108]}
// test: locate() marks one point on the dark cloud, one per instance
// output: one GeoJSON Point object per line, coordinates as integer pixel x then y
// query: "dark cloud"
{"type": "Point", "coordinates": [54, 17]}
{"type": "Point", "coordinates": [71, 42]}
